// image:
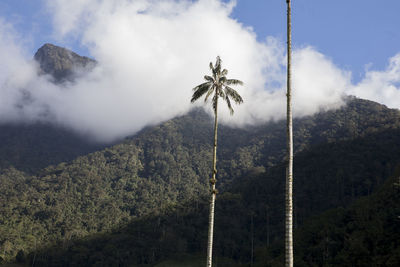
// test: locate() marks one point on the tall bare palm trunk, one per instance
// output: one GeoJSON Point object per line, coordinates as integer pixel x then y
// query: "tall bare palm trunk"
{"type": "Point", "coordinates": [289, 169]}
{"type": "Point", "coordinates": [213, 191]}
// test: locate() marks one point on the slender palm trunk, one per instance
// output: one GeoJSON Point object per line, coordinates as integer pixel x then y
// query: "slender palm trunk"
{"type": "Point", "coordinates": [289, 169]}
{"type": "Point", "coordinates": [213, 192]}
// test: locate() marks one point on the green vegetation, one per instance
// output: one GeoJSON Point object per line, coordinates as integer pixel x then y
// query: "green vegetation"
{"type": "Point", "coordinates": [145, 201]}
{"type": "Point", "coordinates": [365, 234]}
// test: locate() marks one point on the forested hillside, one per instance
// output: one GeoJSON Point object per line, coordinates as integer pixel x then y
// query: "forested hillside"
{"type": "Point", "coordinates": [155, 183]}
{"type": "Point", "coordinates": [65, 201]}
{"type": "Point", "coordinates": [365, 234]}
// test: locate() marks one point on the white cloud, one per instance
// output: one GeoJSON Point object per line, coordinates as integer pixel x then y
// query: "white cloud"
{"type": "Point", "coordinates": [381, 86]}
{"type": "Point", "coordinates": [152, 53]}
{"type": "Point", "coordinates": [318, 83]}
{"type": "Point", "coordinates": [15, 72]}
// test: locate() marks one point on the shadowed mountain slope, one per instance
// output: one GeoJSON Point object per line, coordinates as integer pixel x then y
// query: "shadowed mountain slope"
{"type": "Point", "coordinates": [251, 212]}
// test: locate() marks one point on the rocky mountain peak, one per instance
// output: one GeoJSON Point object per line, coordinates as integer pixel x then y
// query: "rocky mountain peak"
{"type": "Point", "coordinates": [61, 63]}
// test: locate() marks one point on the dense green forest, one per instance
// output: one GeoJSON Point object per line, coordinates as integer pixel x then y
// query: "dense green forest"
{"type": "Point", "coordinates": [143, 201]}
{"type": "Point", "coordinates": [365, 234]}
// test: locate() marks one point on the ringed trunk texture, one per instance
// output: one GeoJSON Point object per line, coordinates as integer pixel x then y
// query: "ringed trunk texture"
{"type": "Point", "coordinates": [289, 131]}
{"type": "Point", "coordinates": [213, 192]}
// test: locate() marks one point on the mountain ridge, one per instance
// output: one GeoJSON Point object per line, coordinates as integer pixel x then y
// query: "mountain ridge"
{"type": "Point", "coordinates": [162, 167]}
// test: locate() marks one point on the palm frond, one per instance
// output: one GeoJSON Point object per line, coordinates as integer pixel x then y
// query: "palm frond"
{"type": "Point", "coordinates": [234, 82]}
{"type": "Point", "coordinates": [210, 91]}
{"type": "Point", "coordinates": [228, 102]}
{"type": "Point", "coordinates": [233, 94]}
{"type": "Point", "coordinates": [222, 80]}
{"type": "Point", "coordinates": [208, 78]}
{"type": "Point", "coordinates": [221, 93]}
{"type": "Point", "coordinates": [200, 90]}
{"type": "Point", "coordinates": [214, 72]}
{"type": "Point", "coordinates": [224, 72]}
{"type": "Point", "coordinates": [200, 86]}
{"type": "Point", "coordinates": [218, 65]}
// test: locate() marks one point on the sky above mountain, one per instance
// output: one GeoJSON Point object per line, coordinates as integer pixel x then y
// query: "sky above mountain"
{"type": "Point", "coordinates": [357, 35]}
{"type": "Point", "coordinates": [151, 53]}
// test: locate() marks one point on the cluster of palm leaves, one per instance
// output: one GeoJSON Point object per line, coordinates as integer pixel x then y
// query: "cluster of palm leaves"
{"type": "Point", "coordinates": [218, 85]}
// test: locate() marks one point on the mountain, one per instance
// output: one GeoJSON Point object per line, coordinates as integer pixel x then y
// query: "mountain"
{"type": "Point", "coordinates": [144, 200]}
{"type": "Point", "coordinates": [62, 64]}
{"type": "Point", "coordinates": [154, 186]}
{"type": "Point", "coordinates": [32, 146]}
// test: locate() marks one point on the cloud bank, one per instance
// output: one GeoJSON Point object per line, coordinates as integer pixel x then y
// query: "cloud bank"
{"type": "Point", "coordinates": [152, 53]}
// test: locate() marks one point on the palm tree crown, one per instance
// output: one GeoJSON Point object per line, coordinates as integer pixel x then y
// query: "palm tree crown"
{"type": "Point", "coordinates": [219, 85]}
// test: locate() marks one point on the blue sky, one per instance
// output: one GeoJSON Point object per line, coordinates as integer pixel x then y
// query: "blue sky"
{"type": "Point", "coordinates": [355, 34]}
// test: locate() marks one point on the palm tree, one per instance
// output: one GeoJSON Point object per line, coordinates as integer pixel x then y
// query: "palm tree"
{"type": "Point", "coordinates": [218, 86]}
{"type": "Point", "coordinates": [289, 156]}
